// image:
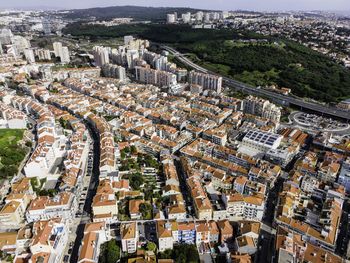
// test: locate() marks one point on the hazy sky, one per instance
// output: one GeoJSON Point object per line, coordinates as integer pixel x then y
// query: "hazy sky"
{"type": "Point", "coordinates": [267, 5]}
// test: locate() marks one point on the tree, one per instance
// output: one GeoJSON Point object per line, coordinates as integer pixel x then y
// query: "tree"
{"type": "Point", "coordinates": [126, 150]}
{"type": "Point", "coordinates": [110, 252]}
{"type": "Point", "coordinates": [166, 254]}
{"type": "Point", "coordinates": [133, 149]}
{"type": "Point", "coordinates": [185, 253]}
{"type": "Point", "coordinates": [151, 246]}
{"type": "Point", "coordinates": [146, 210]}
{"type": "Point", "coordinates": [136, 180]}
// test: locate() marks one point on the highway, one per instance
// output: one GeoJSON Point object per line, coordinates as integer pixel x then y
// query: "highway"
{"type": "Point", "coordinates": [283, 100]}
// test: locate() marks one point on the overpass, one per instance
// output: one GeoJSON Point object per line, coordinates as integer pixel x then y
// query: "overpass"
{"type": "Point", "coordinates": [283, 100]}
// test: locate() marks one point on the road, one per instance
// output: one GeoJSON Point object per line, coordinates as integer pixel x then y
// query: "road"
{"type": "Point", "coordinates": [86, 217]}
{"type": "Point", "coordinates": [275, 97]}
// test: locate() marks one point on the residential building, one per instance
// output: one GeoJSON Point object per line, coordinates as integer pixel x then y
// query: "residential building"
{"type": "Point", "coordinates": [129, 237]}
{"type": "Point", "coordinates": [114, 71]}
{"type": "Point", "coordinates": [63, 205]}
{"type": "Point", "coordinates": [50, 237]}
{"type": "Point", "coordinates": [165, 235]}
{"type": "Point", "coordinates": [344, 175]}
{"type": "Point", "coordinates": [101, 55]}
{"type": "Point", "coordinates": [226, 230]}
{"type": "Point", "coordinates": [207, 81]}
{"type": "Point", "coordinates": [256, 141]}
{"type": "Point", "coordinates": [29, 55]}
{"type": "Point", "coordinates": [156, 77]}
{"type": "Point", "coordinates": [262, 108]}
{"type": "Point", "coordinates": [171, 18]}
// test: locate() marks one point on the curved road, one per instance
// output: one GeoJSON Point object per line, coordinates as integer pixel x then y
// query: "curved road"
{"type": "Point", "coordinates": [278, 98]}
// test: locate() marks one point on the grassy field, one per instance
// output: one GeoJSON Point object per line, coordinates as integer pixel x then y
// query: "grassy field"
{"type": "Point", "coordinates": [11, 154]}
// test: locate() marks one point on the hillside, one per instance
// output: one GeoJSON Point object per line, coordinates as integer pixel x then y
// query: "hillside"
{"type": "Point", "coordinates": [263, 61]}
{"type": "Point", "coordinates": [136, 12]}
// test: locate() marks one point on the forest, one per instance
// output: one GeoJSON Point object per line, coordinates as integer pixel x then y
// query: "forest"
{"type": "Point", "coordinates": [243, 55]}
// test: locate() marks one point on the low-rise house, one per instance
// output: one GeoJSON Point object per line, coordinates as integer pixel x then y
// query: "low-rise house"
{"type": "Point", "coordinates": [246, 245]}
{"type": "Point", "coordinates": [226, 230]}
{"type": "Point", "coordinates": [12, 214]}
{"type": "Point", "coordinates": [214, 232]}
{"type": "Point", "coordinates": [63, 205]}
{"type": "Point", "coordinates": [187, 232]}
{"type": "Point", "coordinates": [129, 237]}
{"type": "Point", "coordinates": [165, 235]}
{"type": "Point", "coordinates": [134, 208]}
{"type": "Point", "coordinates": [8, 241]}
{"type": "Point", "coordinates": [202, 232]}
{"type": "Point", "coordinates": [89, 250]}
{"type": "Point", "coordinates": [250, 228]}
{"type": "Point", "coordinates": [49, 240]}
{"type": "Point", "coordinates": [105, 205]}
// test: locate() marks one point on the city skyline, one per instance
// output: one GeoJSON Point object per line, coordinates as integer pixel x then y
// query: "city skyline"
{"type": "Point", "coordinates": [213, 133]}
{"type": "Point", "coordinates": [271, 5]}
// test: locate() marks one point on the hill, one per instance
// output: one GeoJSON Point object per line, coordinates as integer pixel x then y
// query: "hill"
{"type": "Point", "coordinates": [136, 12]}
{"type": "Point", "coordinates": [245, 56]}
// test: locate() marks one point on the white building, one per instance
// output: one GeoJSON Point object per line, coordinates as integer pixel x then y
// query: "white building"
{"type": "Point", "coordinates": [101, 55]}
{"type": "Point", "coordinates": [155, 77]}
{"type": "Point", "coordinates": [63, 205]}
{"type": "Point", "coordinates": [29, 55]}
{"type": "Point", "coordinates": [114, 71]}
{"type": "Point", "coordinates": [43, 54]}
{"type": "Point", "coordinates": [241, 207]}
{"type": "Point", "coordinates": [207, 81]}
{"type": "Point", "coordinates": [199, 16]}
{"type": "Point", "coordinates": [256, 141]}
{"type": "Point", "coordinates": [50, 237]}
{"type": "Point", "coordinates": [129, 237]}
{"type": "Point", "coordinates": [65, 57]}
{"type": "Point", "coordinates": [6, 36]}
{"type": "Point", "coordinates": [344, 175]}
{"type": "Point", "coordinates": [14, 119]}
{"type": "Point", "coordinates": [262, 108]}
{"type": "Point", "coordinates": [170, 18]}
{"type": "Point", "coordinates": [165, 235]}
{"type": "Point", "coordinates": [57, 47]}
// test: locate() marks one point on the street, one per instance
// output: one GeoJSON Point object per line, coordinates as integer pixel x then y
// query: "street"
{"type": "Point", "coordinates": [79, 225]}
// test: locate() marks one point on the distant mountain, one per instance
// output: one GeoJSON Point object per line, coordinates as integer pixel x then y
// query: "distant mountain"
{"type": "Point", "coordinates": [136, 12]}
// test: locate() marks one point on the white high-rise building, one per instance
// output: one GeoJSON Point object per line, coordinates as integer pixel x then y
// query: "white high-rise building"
{"type": "Point", "coordinates": [114, 71]}
{"type": "Point", "coordinates": [170, 18]}
{"type": "Point", "coordinates": [43, 54]}
{"type": "Point", "coordinates": [207, 81]}
{"type": "Point", "coordinates": [101, 55]}
{"type": "Point", "coordinates": [186, 18]}
{"type": "Point", "coordinates": [262, 108]}
{"type": "Point", "coordinates": [12, 51]}
{"type": "Point", "coordinates": [207, 17]}
{"type": "Point", "coordinates": [128, 39]}
{"type": "Point", "coordinates": [21, 43]}
{"type": "Point", "coordinates": [61, 52]}
{"type": "Point", "coordinates": [65, 58]}
{"type": "Point", "coordinates": [155, 77]}
{"type": "Point", "coordinates": [57, 47]}
{"type": "Point", "coordinates": [6, 36]}
{"type": "Point", "coordinates": [29, 55]}
{"type": "Point", "coordinates": [225, 14]}
{"type": "Point", "coordinates": [46, 26]}
{"type": "Point", "coordinates": [199, 16]}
